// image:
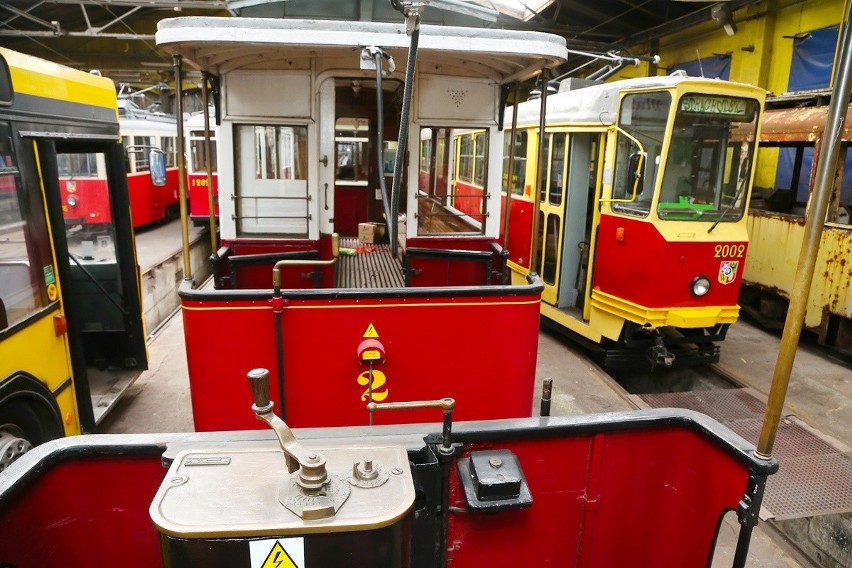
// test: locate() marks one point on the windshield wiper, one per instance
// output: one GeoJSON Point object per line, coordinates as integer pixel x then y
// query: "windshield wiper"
{"type": "Point", "coordinates": [740, 188]}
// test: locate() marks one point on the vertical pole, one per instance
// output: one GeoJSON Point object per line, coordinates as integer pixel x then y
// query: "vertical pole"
{"type": "Point", "coordinates": [177, 62]}
{"type": "Point", "coordinates": [826, 165]}
{"type": "Point", "coordinates": [211, 203]}
{"type": "Point", "coordinates": [539, 183]}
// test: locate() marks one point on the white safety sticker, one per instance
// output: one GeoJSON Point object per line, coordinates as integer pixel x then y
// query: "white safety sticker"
{"type": "Point", "coordinates": [278, 553]}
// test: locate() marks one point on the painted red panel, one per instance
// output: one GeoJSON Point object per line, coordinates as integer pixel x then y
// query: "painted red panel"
{"type": "Point", "coordinates": [148, 202]}
{"type": "Point", "coordinates": [260, 275]}
{"type": "Point", "coordinates": [627, 498]}
{"type": "Point", "coordinates": [468, 200]}
{"type": "Point", "coordinates": [646, 269]}
{"type": "Point", "coordinates": [92, 206]}
{"type": "Point", "coordinates": [436, 347]}
{"type": "Point", "coordinates": [520, 229]}
{"type": "Point", "coordinates": [198, 198]}
{"type": "Point", "coordinates": [351, 206]}
{"type": "Point", "coordinates": [84, 513]}
{"type": "Point", "coordinates": [448, 271]}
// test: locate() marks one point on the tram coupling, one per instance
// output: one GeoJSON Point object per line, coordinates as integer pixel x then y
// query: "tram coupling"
{"type": "Point", "coordinates": [658, 354]}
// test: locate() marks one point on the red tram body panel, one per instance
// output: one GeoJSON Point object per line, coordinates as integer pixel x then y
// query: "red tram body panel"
{"type": "Point", "coordinates": [644, 268]}
{"type": "Point", "coordinates": [487, 366]}
{"type": "Point", "coordinates": [588, 483]}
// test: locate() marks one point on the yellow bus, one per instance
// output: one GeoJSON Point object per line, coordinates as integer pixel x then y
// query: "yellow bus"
{"type": "Point", "coordinates": [71, 330]}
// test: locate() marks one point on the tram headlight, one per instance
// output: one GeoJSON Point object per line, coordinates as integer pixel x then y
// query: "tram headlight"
{"type": "Point", "coordinates": [700, 286]}
{"type": "Point", "coordinates": [71, 201]}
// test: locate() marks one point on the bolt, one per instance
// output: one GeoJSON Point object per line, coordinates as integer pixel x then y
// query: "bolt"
{"type": "Point", "coordinates": [495, 462]}
{"type": "Point", "coordinates": [313, 458]}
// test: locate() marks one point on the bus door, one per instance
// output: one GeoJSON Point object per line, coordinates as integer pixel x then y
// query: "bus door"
{"type": "Point", "coordinates": [99, 280]}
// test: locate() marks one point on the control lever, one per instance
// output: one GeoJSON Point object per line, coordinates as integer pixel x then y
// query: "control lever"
{"type": "Point", "coordinates": [310, 464]}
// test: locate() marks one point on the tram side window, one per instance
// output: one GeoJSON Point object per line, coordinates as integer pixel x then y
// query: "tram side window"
{"type": "Point", "coordinates": [168, 149]}
{"type": "Point", "coordinates": [138, 157]}
{"type": "Point", "coordinates": [198, 152]}
{"type": "Point", "coordinates": [352, 140]}
{"type": "Point", "coordinates": [272, 171]}
{"type": "Point", "coordinates": [516, 185]}
{"type": "Point", "coordinates": [452, 178]}
{"type": "Point", "coordinates": [643, 116]}
{"type": "Point", "coordinates": [25, 266]}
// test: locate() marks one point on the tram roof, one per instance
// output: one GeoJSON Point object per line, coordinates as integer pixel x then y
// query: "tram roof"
{"type": "Point", "coordinates": [219, 45]}
{"type": "Point", "coordinates": [598, 104]}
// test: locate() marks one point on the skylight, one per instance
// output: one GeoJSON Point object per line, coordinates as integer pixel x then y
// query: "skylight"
{"type": "Point", "coordinates": [520, 9]}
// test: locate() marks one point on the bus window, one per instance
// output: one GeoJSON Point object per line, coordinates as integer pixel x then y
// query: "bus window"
{"type": "Point", "coordinates": [272, 180]}
{"type": "Point", "coordinates": [644, 117]}
{"type": "Point", "coordinates": [26, 268]}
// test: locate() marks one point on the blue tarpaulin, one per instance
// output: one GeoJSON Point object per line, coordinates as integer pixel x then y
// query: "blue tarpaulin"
{"type": "Point", "coordinates": [716, 67]}
{"type": "Point", "coordinates": [813, 57]}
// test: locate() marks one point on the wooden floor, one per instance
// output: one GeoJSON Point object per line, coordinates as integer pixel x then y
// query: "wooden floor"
{"type": "Point", "coordinates": [372, 266]}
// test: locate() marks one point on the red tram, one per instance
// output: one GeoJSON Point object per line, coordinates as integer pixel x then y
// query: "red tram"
{"type": "Point", "coordinates": [201, 152]}
{"type": "Point", "coordinates": [83, 176]}
{"type": "Point", "coordinates": [419, 316]}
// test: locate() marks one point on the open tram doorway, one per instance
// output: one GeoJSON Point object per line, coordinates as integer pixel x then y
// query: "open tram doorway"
{"type": "Point", "coordinates": [566, 217]}
{"type": "Point", "coordinates": [358, 172]}
{"type": "Point", "coordinates": [99, 281]}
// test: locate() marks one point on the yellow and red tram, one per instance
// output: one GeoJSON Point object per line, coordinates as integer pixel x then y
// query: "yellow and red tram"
{"type": "Point", "coordinates": [638, 228]}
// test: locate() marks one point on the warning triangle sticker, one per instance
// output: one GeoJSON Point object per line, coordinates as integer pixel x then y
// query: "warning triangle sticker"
{"type": "Point", "coordinates": [278, 558]}
{"type": "Point", "coordinates": [371, 332]}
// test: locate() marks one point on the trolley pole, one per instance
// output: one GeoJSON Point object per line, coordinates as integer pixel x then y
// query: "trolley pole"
{"type": "Point", "coordinates": [826, 166]}
{"type": "Point", "coordinates": [177, 62]}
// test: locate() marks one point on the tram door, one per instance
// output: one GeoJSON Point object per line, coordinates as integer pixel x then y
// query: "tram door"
{"type": "Point", "coordinates": [99, 280]}
{"type": "Point", "coordinates": [565, 215]}
{"type": "Point", "coordinates": [353, 149]}
{"type": "Point", "coordinates": [551, 213]}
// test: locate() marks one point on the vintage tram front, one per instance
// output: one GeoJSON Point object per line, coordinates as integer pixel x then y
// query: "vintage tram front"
{"type": "Point", "coordinates": [641, 233]}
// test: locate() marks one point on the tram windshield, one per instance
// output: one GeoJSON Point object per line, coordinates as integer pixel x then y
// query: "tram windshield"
{"type": "Point", "coordinates": [708, 165]}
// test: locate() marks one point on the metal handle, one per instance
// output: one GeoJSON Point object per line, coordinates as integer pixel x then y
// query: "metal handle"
{"type": "Point", "coordinates": [324, 161]}
{"type": "Point", "coordinates": [447, 405]}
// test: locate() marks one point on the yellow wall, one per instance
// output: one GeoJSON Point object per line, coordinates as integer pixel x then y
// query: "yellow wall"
{"type": "Point", "coordinates": [760, 52]}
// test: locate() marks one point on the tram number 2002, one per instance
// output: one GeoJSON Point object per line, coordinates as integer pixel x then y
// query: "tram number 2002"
{"type": "Point", "coordinates": [728, 251]}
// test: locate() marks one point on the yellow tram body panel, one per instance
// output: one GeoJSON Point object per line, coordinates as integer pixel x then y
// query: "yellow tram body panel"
{"type": "Point", "coordinates": [770, 265]}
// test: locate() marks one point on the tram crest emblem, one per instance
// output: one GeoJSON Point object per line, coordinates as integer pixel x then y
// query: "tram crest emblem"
{"type": "Point", "coordinates": [728, 271]}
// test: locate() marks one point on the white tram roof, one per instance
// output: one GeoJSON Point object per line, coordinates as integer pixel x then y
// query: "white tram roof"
{"type": "Point", "coordinates": [219, 45]}
{"type": "Point", "coordinates": [598, 104]}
